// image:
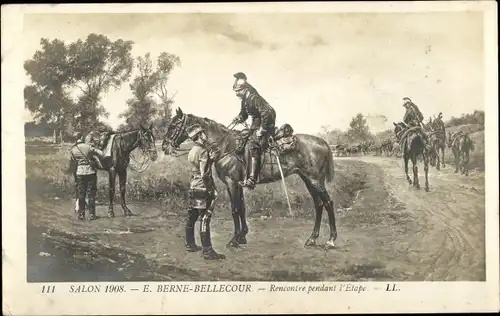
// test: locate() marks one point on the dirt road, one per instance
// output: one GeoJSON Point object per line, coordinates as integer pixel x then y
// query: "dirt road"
{"type": "Point", "coordinates": [450, 243]}
{"type": "Point", "coordinates": [390, 232]}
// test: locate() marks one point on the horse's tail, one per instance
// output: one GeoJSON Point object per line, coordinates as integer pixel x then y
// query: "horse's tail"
{"type": "Point", "coordinates": [330, 167]}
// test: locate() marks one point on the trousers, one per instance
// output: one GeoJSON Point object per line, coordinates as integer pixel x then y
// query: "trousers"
{"type": "Point", "coordinates": [86, 187]}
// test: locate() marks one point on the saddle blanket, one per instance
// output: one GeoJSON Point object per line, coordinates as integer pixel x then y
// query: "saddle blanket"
{"type": "Point", "coordinates": [109, 146]}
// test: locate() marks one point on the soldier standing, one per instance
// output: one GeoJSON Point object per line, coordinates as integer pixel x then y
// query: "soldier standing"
{"type": "Point", "coordinates": [83, 156]}
{"type": "Point", "coordinates": [263, 123]}
{"type": "Point", "coordinates": [202, 193]}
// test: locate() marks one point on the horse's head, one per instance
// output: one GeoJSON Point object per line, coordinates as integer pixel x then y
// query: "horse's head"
{"type": "Point", "coordinates": [176, 133]}
{"type": "Point", "coordinates": [146, 141]}
{"type": "Point", "coordinates": [398, 128]}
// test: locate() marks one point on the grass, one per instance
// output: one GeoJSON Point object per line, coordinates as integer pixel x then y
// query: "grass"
{"type": "Point", "coordinates": [166, 181]}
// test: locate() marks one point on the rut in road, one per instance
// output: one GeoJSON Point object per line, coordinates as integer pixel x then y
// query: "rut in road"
{"type": "Point", "coordinates": [450, 244]}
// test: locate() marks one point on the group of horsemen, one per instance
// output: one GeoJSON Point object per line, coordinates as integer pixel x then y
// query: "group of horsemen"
{"type": "Point", "coordinates": [201, 157]}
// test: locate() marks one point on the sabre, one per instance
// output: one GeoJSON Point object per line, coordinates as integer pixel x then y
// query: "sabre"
{"type": "Point", "coordinates": [290, 213]}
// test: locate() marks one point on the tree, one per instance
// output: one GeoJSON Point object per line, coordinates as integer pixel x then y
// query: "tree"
{"type": "Point", "coordinates": [165, 64]}
{"type": "Point", "coordinates": [142, 107]}
{"type": "Point", "coordinates": [98, 65]}
{"type": "Point", "coordinates": [358, 129]}
{"type": "Point", "coordinates": [151, 81]}
{"type": "Point", "coordinates": [47, 96]}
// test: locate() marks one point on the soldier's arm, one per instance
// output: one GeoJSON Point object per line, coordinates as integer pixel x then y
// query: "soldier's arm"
{"type": "Point", "coordinates": [96, 151]}
{"type": "Point", "coordinates": [263, 110]}
{"type": "Point", "coordinates": [243, 115]}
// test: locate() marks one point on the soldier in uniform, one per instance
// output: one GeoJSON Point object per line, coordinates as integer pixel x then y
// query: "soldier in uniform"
{"type": "Point", "coordinates": [438, 122]}
{"type": "Point", "coordinates": [202, 193]}
{"type": "Point", "coordinates": [413, 116]}
{"type": "Point", "coordinates": [263, 123]}
{"type": "Point", "coordinates": [83, 155]}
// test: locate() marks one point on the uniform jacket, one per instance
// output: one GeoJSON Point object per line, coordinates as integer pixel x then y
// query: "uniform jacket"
{"type": "Point", "coordinates": [413, 116]}
{"type": "Point", "coordinates": [201, 168]}
{"type": "Point", "coordinates": [84, 155]}
{"type": "Point", "coordinates": [263, 115]}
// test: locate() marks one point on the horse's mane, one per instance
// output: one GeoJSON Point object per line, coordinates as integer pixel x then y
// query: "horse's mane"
{"type": "Point", "coordinates": [209, 123]}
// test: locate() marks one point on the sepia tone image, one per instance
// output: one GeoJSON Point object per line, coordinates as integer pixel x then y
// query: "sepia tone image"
{"type": "Point", "coordinates": [256, 147]}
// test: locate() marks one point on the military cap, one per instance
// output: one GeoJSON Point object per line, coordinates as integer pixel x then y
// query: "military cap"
{"type": "Point", "coordinates": [406, 99]}
{"type": "Point", "coordinates": [240, 75]}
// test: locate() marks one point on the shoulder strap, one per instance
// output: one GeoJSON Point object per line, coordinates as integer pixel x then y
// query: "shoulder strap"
{"type": "Point", "coordinates": [82, 154]}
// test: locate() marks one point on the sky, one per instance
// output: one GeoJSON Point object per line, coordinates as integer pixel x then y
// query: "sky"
{"type": "Point", "coordinates": [315, 69]}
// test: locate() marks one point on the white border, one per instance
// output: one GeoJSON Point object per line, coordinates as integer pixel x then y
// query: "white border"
{"type": "Point", "coordinates": [21, 298]}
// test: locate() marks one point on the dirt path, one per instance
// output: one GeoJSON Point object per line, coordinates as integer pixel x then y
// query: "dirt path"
{"type": "Point", "coordinates": [451, 242]}
{"type": "Point", "coordinates": [390, 232]}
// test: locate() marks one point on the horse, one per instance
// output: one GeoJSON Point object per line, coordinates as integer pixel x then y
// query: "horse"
{"type": "Point", "coordinates": [311, 160]}
{"type": "Point", "coordinates": [437, 139]}
{"type": "Point", "coordinates": [461, 145]}
{"type": "Point", "coordinates": [116, 164]}
{"type": "Point", "coordinates": [412, 145]}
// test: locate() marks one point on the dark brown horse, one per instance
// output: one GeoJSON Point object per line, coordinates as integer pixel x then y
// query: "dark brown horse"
{"type": "Point", "coordinates": [412, 145]}
{"type": "Point", "coordinates": [461, 145]}
{"type": "Point", "coordinates": [312, 160]}
{"type": "Point", "coordinates": [123, 144]}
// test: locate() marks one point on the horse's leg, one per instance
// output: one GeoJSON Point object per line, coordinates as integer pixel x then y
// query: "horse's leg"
{"type": "Point", "coordinates": [466, 162]}
{"type": "Point", "coordinates": [241, 239]}
{"type": "Point", "coordinates": [122, 176]}
{"type": "Point", "coordinates": [442, 157]}
{"type": "Point", "coordinates": [416, 183]}
{"type": "Point", "coordinates": [330, 208]}
{"type": "Point", "coordinates": [456, 155]}
{"type": "Point", "coordinates": [438, 159]}
{"type": "Point", "coordinates": [406, 159]}
{"type": "Point", "coordinates": [425, 157]}
{"type": "Point", "coordinates": [318, 205]}
{"type": "Point", "coordinates": [112, 182]}
{"type": "Point", "coordinates": [231, 190]}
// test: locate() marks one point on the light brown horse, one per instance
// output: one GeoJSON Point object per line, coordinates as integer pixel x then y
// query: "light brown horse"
{"type": "Point", "coordinates": [312, 160]}
{"type": "Point", "coordinates": [461, 145]}
{"type": "Point", "coordinates": [437, 139]}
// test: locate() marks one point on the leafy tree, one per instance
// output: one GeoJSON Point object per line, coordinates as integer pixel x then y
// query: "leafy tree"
{"type": "Point", "coordinates": [166, 62]}
{"type": "Point", "coordinates": [98, 65]}
{"type": "Point", "coordinates": [150, 81]}
{"type": "Point", "coordinates": [47, 96]}
{"type": "Point", "coordinates": [358, 129]}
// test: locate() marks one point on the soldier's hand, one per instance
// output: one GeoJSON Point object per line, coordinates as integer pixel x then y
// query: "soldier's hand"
{"type": "Point", "coordinates": [236, 120]}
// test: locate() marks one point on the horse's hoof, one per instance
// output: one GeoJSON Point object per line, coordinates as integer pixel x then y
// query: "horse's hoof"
{"type": "Point", "coordinates": [129, 213]}
{"type": "Point", "coordinates": [232, 244]}
{"type": "Point", "coordinates": [111, 214]}
{"type": "Point", "coordinates": [410, 182]}
{"type": "Point", "coordinates": [242, 240]}
{"type": "Point", "coordinates": [427, 189]}
{"type": "Point", "coordinates": [310, 243]}
{"type": "Point", "coordinates": [329, 245]}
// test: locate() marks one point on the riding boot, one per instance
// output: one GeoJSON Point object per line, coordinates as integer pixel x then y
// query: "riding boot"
{"type": "Point", "coordinates": [189, 229]}
{"type": "Point", "coordinates": [254, 175]}
{"type": "Point", "coordinates": [206, 241]}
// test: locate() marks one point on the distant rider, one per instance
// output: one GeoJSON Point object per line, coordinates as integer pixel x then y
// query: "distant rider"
{"type": "Point", "coordinates": [413, 117]}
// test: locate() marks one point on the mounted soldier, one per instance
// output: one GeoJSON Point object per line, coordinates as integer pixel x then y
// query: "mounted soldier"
{"type": "Point", "coordinates": [202, 192]}
{"type": "Point", "coordinates": [263, 123]}
{"type": "Point", "coordinates": [438, 123]}
{"type": "Point", "coordinates": [413, 117]}
{"type": "Point", "coordinates": [84, 157]}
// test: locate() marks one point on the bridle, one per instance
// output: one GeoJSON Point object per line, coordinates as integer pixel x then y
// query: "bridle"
{"type": "Point", "coordinates": [174, 140]}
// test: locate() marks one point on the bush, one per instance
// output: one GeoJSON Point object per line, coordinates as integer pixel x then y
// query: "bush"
{"type": "Point", "coordinates": [167, 181]}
